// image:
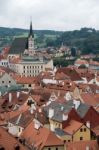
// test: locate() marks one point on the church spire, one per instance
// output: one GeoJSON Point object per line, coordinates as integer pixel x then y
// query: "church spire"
{"type": "Point", "coordinates": [31, 47]}
{"type": "Point", "coordinates": [31, 31]}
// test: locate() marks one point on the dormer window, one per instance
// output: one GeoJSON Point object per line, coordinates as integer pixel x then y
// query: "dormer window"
{"type": "Point", "coordinates": [30, 102]}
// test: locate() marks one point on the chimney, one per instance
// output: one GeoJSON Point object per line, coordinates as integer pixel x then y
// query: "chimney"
{"type": "Point", "coordinates": [31, 111]}
{"type": "Point", "coordinates": [58, 93]}
{"type": "Point", "coordinates": [67, 96]}
{"type": "Point", "coordinates": [62, 108]}
{"type": "Point", "coordinates": [76, 103]}
{"type": "Point", "coordinates": [33, 106]}
{"type": "Point", "coordinates": [10, 97]}
{"type": "Point", "coordinates": [0, 93]}
{"type": "Point", "coordinates": [88, 124]}
{"type": "Point", "coordinates": [18, 94]}
{"type": "Point", "coordinates": [87, 148]}
{"type": "Point", "coordinates": [36, 124]}
{"type": "Point", "coordinates": [51, 113]}
{"type": "Point", "coordinates": [65, 117]}
{"type": "Point", "coordinates": [40, 110]}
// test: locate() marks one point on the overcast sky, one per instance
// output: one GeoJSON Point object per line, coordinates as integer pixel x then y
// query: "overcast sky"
{"type": "Point", "coordinates": [50, 14]}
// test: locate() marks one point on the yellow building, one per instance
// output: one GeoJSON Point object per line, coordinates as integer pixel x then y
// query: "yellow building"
{"type": "Point", "coordinates": [78, 131]}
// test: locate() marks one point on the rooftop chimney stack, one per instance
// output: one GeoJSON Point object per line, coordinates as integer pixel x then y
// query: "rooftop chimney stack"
{"type": "Point", "coordinates": [76, 103]}
{"type": "Point", "coordinates": [51, 113]}
{"type": "Point", "coordinates": [18, 94]}
{"type": "Point", "coordinates": [88, 124]}
{"type": "Point", "coordinates": [65, 117]}
{"type": "Point", "coordinates": [10, 97]}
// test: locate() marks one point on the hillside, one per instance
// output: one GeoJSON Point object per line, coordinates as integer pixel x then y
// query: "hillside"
{"type": "Point", "coordinates": [8, 34]}
{"type": "Point", "coordinates": [85, 39]}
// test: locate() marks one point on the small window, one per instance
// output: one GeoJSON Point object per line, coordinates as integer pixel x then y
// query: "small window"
{"type": "Point", "coordinates": [19, 129]}
{"type": "Point", "coordinates": [68, 140]}
{"type": "Point", "coordinates": [56, 148]}
{"type": "Point", "coordinates": [29, 85]}
{"type": "Point", "coordinates": [9, 81]}
{"type": "Point", "coordinates": [59, 125]}
{"type": "Point", "coordinates": [81, 138]}
{"type": "Point", "coordinates": [85, 129]}
{"type": "Point", "coordinates": [64, 141]}
{"type": "Point", "coordinates": [49, 148]}
{"type": "Point", "coordinates": [2, 81]}
{"type": "Point", "coordinates": [24, 67]}
{"type": "Point", "coordinates": [81, 130]}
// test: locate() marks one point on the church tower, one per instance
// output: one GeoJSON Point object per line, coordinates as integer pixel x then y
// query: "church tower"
{"type": "Point", "coordinates": [31, 41]}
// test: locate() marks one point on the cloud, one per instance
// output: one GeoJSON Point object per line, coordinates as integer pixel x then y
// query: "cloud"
{"type": "Point", "coordinates": [50, 14]}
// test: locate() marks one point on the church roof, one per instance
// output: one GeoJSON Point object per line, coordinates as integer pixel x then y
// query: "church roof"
{"type": "Point", "coordinates": [19, 45]}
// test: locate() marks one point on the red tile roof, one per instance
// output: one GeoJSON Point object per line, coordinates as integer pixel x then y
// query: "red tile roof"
{"type": "Point", "coordinates": [81, 145]}
{"type": "Point", "coordinates": [71, 72]}
{"type": "Point", "coordinates": [73, 126]}
{"type": "Point", "coordinates": [41, 137]}
{"type": "Point", "coordinates": [8, 142]}
{"type": "Point", "coordinates": [89, 99]}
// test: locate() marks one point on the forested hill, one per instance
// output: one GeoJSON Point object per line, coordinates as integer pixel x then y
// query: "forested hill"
{"type": "Point", "coordinates": [19, 32]}
{"type": "Point", "coordinates": [86, 39]}
{"type": "Point", "coordinates": [8, 34]}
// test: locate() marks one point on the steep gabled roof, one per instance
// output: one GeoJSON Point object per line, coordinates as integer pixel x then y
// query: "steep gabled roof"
{"type": "Point", "coordinates": [41, 137]}
{"type": "Point", "coordinates": [19, 45]}
{"type": "Point", "coordinates": [72, 73]}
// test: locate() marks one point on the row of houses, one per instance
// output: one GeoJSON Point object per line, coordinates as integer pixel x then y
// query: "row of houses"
{"type": "Point", "coordinates": [54, 110]}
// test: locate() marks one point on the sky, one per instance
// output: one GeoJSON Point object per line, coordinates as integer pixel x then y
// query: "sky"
{"type": "Point", "coordinates": [62, 15]}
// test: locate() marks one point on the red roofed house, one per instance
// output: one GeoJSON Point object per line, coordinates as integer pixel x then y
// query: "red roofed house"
{"type": "Point", "coordinates": [41, 138]}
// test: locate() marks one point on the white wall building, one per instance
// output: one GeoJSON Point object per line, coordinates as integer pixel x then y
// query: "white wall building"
{"type": "Point", "coordinates": [30, 67]}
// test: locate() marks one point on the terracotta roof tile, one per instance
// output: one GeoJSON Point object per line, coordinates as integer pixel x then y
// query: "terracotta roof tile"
{"type": "Point", "coordinates": [92, 145]}
{"type": "Point", "coordinates": [41, 137]}
{"type": "Point", "coordinates": [89, 99]}
{"type": "Point", "coordinates": [72, 73]}
{"type": "Point", "coordinates": [8, 142]}
{"type": "Point", "coordinates": [73, 126]}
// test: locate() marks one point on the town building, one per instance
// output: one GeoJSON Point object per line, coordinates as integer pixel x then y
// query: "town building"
{"type": "Point", "coordinates": [23, 57]}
